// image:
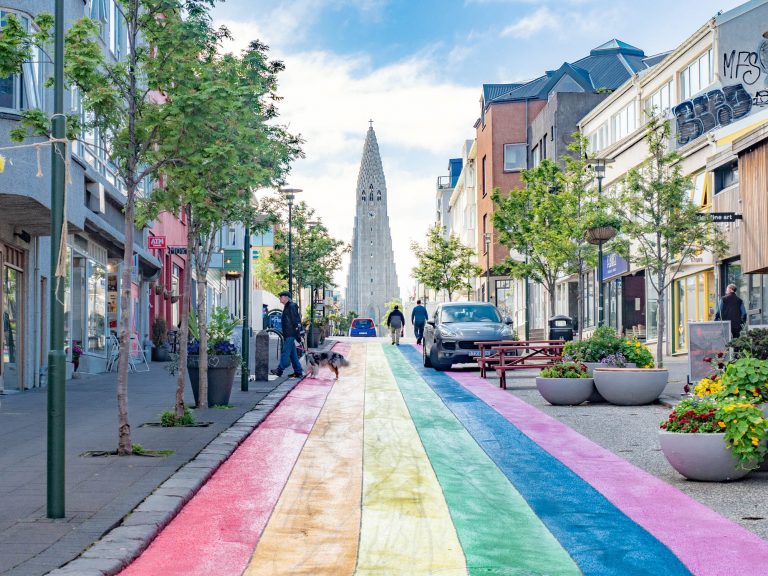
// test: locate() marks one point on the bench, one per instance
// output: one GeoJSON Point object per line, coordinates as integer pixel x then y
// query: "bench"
{"type": "Point", "coordinates": [525, 355]}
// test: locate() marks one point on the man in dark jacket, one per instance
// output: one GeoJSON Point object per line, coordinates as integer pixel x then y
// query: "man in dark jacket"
{"type": "Point", "coordinates": [731, 308]}
{"type": "Point", "coordinates": [291, 325]}
{"type": "Point", "coordinates": [419, 317]}
{"type": "Point", "coordinates": [396, 321]}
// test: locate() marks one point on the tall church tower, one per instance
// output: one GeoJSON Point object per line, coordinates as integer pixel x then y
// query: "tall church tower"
{"type": "Point", "coordinates": [372, 279]}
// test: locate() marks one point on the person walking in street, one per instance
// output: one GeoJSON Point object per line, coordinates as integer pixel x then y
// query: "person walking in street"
{"type": "Point", "coordinates": [396, 321]}
{"type": "Point", "coordinates": [731, 308]}
{"type": "Point", "coordinates": [419, 317]}
{"type": "Point", "coordinates": [291, 325]}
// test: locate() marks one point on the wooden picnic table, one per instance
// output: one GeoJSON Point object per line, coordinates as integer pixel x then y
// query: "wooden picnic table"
{"type": "Point", "coordinates": [489, 355]}
{"type": "Point", "coordinates": [526, 354]}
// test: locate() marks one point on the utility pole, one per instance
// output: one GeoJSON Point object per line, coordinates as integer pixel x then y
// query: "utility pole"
{"type": "Point", "coordinates": [56, 356]}
{"type": "Point", "coordinates": [246, 345]}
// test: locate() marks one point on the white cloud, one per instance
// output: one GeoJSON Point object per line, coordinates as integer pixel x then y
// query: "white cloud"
{"type": "Point", "coordinates": [541, 19]}
{"type": "Point", "coordinates": [420, 119]}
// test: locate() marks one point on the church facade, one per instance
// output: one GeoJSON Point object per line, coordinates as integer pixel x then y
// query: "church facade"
{"type": "Point", "coordinates": [372, 278]}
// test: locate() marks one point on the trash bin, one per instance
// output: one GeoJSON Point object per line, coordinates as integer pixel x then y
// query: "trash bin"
{"type": "Point", "coordinates": [561, 328]}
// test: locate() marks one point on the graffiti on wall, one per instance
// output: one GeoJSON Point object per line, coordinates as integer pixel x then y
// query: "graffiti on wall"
{"type": "Point", "coordinates": [710, 110]}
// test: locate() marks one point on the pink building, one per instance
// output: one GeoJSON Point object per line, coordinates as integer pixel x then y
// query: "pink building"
{"type": "Point", "coordinates": [167, 303]}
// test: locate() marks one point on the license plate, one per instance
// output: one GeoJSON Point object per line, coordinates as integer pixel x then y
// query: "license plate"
{"type": "Point", "coordinates": [473, 353]}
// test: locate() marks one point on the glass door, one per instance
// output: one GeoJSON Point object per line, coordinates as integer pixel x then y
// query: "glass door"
{"type": "Point", "coordinates": [12, 319]}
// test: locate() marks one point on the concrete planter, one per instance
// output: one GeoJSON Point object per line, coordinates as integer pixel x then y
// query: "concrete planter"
{"type": "Point", "coordinates": [221, 376]}
{"type": "Point", "coordinates": [596, 397]}
{"type": "Point", "coordinates": [630, 386]}
{"type": "Point", "coordinates": [565, 391]}
{"type": "Point", "coordinates": [702, 457]}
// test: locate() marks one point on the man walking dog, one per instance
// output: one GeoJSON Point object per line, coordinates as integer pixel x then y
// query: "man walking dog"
{"type": "Point", "coordinates": [396, 321]}
{"type": "Point", "coordinates": [291, 325]}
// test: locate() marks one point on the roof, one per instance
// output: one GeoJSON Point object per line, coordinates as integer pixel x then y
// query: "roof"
{"type": "Point", "coordinates": [608, 66]}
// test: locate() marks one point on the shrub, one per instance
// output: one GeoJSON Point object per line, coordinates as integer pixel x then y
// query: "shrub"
{"type": "Point", "coordinates": [746, 378]}
{"type": "Point", "coordinates": [159, 331]}
{"type": "Point", "coordinates": [603, 342]}
{"type": "Point", "coordinates": [636, 353]}
{"type": "Point", "coordinates": [753, 343]}
{"type": "Point", "coordinates": [168, 419]}
{"type": "Point", "coordinates": [565, 370]}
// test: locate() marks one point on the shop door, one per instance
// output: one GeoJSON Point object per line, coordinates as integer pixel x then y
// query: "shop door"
{"type": "Point", "coordinates": [12, 328]}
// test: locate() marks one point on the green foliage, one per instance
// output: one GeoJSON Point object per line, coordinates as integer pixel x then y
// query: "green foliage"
{"type": "Point", "coordinates": [751, 343]}
{"type": "Point", "coordinates": [565, 370]}
{"type": "Point", "coordinates": [159, 331]}
{"type": "Point", "coordinates": [636, 353]}
{"type": "Point", "coordinates": [745, 431]}
{"type": "Point", "coordinates": [267, 276]}
{"type": "Point", "coordinates": [388, 307]}
{"type": "Point", "coordinates": [168, 419]}
{"type": "Point", "coordinates": [746, 378]}
{"type": "Point", "coordinates": [603, 342]}
{"type": "Point", "coordinates": [445, 263]}
{"type": "Point", "coordinates": [693, 415]}
{"type": "Point", "coordinates": [221, 326]}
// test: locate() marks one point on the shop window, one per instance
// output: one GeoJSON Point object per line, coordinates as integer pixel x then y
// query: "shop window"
{"type": "Point", "coordinates": [484, 178]}
{"type": "Point", "coordinates": [97, 307]}
{"type": "Point", "coordinates": [515, 157]}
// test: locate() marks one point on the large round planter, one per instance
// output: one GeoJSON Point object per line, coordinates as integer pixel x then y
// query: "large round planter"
{"type": "Point", "coordinates": [161, 354]}
{"type": "Point", "coordinates": [565, 391]}
{"type": "Point", "coordinates": [596, 397]}
{"type": "Point", "coordinates": [630, 386]}
{"type": "Point", "coordinates": [221, 376]}
{"type": "Point", "coordinates": [700, 456]}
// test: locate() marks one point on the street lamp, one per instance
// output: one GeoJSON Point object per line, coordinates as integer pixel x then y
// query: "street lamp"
{"type": "Point", "coordinates": [487, 238]}
{"type": "Point", "coordinates": [600, 234]}
{"type": "Point", "coordinates": [311, 336]}
{"type": "Point", "coordinates": [289, 194]}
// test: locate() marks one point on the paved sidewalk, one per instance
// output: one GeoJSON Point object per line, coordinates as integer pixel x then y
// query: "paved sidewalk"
{"type": "Point", "coordinates": [102, 491]}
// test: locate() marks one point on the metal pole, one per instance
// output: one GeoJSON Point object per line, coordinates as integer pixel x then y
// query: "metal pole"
{"type": "Point", "coordinates": [600, 311]}
{"type": "Point", "coordinates": [245, 371]}
{"type": "Point", "coordinates": [290, 248]}
{"type": "Point", "coordinates": [487, 267]}
{"type": "Point", "coordinates": [311, 342]}
{"type": "Point", "coordinates": [56, 356]}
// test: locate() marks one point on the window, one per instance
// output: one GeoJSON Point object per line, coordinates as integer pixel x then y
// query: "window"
{"type": "Point", "coordinates": [623, 123]}
{"type": "Point", "coordinates": [97, 307]}
{"type": "Point", "coordinates": [725, 176]}
{"type": "Point", "coordinates": [697, 76]}
{"type": "Point", "coordinates": [485, 231]}
{"type": "Point", "coordinates": [378, 195]}
{"type": "Point", "coordinates": [23, 90]}
{"type": "Point", "coordinates": [599, 138]}
{"type": "Point", "coordinates": [514, 157]}
{"type": "Point", "coordinates": [484, 177]}
{"type": "Point", "coordinates": [700, 190]}
{"type": "Point", "coordinates": [535, 156]}
{"type": "Point", "coordinates": [660, 101]}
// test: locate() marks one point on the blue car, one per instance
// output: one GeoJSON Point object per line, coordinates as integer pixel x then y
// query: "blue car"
{"type": "Point", "coordinates": [362, 327]}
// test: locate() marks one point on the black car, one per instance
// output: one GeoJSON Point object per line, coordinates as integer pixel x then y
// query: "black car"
{"type": "Point", "coordinates": [451, 333]}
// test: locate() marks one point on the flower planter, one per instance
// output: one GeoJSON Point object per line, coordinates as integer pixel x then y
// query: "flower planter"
{"type": "Point", "coordinates": [596, 397]}
{"type": "Point", "coordinates": [161, 353]}
{"type": "Point", "coordinates": [221, 376]}
{"type": "Point", "coordinates": [700, 456]}
{"type": "Point", "coordinates": [630, 386]}
{"type": "Point", "coordinates": [158, 289]}
{"type": "Point", "coordinates": [565, 391]}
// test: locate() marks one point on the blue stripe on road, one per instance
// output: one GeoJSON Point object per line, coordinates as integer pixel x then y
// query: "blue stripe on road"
{"type": "Point", "coordinates": [599, 537]}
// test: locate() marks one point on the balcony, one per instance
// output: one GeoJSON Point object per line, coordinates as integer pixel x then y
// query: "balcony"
{"type": "Point", "coordinates": [443, 182]}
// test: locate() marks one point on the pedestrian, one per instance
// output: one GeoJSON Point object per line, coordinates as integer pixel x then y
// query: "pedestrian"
{"type": "Point", "coordinates": [419, 317]}
{"type": "Point", "coordinates": [731, 308]}
{"type": "Point", "coordinates": [396, 322]}
{"type": "Point", "coordinates": [291, 325]}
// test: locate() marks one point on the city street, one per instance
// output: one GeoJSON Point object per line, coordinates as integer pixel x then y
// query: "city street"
{"type": "Point", "coordinates": [398, 469]}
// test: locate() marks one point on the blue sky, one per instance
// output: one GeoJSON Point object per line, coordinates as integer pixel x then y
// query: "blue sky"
{"type": "Point", "coordinates": [416, 67]}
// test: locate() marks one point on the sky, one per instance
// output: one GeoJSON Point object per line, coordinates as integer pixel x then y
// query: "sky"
{"type": "Point", "coordinates": [416, 68]}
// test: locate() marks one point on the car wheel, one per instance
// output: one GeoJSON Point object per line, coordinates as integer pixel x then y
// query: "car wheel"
{"type": "Point", "coordinates": [436, 364]}
{"type": "Point", "coordinates": [425, 357]}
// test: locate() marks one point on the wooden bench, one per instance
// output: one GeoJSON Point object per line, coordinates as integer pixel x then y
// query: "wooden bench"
{"type": "Point", "coordinates": [487, 357]}
{"type": "Point", "coordinates": [525, 355]}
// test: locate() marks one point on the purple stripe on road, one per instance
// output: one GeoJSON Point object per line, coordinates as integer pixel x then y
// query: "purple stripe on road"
{"type": "Point", "coordinates": [707, 543]}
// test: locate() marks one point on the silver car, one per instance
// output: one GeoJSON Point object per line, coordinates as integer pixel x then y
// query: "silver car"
{"type": "Point", "coordinates": [451, 333]}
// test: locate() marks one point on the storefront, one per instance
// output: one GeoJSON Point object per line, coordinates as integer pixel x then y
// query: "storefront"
{"type": "Point", "coordinates": [12, 311]}
{"type": "Point", "coordinates": [694, 299]}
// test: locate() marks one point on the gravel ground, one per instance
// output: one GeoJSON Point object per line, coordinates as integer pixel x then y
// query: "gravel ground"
{"type": "Point", "coordinates": [631, 433]}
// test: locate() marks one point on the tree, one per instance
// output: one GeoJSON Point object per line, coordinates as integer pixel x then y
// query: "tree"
{"type": "Point", "coordinates": [267, 277]}
{"type": "Point", "coordinates": [232, 147]}
{"type": "Point", "coordinates": [163, 37]}
{"type": "Point", "coordinates": [665, 228]}
{"type": "Point", "coordinates": [388, 307]}
{"type": "Point", "coordinates": [445, 263]}
{"type": "Point", "coordinates": [540, 221]}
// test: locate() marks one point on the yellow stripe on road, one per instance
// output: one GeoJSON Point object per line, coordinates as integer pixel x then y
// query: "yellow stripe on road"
{"type": "Point", "coordinates": [406, 527]}
{"type": "Point", "coordinates": [315, 525]}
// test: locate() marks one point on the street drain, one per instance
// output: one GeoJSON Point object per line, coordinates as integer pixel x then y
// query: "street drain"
{"type": "Point", "coordinates": [752, 518]}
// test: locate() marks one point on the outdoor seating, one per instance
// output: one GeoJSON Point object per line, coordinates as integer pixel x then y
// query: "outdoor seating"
{"type": "Point", "coordinates": [524, 355]}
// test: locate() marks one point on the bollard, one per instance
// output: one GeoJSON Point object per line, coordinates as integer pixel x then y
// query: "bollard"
{"type": "Point", "coordinates": [260, 359]}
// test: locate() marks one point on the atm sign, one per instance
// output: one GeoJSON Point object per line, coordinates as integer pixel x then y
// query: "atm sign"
{"type": "Point", "coordinates": [156, 242]}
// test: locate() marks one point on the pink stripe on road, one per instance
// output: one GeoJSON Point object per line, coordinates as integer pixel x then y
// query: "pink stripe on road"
{"type": "Point", "coordinates": [217, 531]}
{"type": "Point", "coordinates": [707, 543]}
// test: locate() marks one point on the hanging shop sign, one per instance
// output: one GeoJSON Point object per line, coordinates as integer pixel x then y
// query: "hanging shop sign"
{"type": "Point", "coordinates": [177, 250]}
{"type": "Point", "coordinates": [156, 242]}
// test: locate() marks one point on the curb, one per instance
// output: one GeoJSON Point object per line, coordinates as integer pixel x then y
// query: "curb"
{"type": "Point", "coordinates": [116, 549]}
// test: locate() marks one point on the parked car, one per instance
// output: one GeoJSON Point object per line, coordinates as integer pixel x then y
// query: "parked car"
{"type": "Point", "coordinates": [362, 327]}
{"type": "Point", "coordinates": [451, 333]}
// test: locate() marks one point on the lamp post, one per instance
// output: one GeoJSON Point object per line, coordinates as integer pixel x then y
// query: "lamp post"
{"type": "Point", "coordinates": [289, 194]}
{"type": "Point", "coordinates": [245, 370]}
{"type": "Point", "coordinates": [487, 238]}
{"type": "Point", "coordinates": [311, 334]}
{"type": "Point", "coordinates": [599, 235]}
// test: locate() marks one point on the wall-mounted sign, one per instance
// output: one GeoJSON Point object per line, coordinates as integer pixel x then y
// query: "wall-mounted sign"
{"type": "Point", "coordinates": [720, 216]}
{"type": "Point", "coordinates": [613, 265]}
{"type": "Point", "coordinates": [177, 250]}
{"type": "Point", "coordinates": [156, 242]}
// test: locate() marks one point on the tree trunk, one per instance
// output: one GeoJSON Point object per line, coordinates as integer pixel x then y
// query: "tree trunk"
{"type": "Point", "coordinates": [552, 299]}
{"type": "Point", "coordinates": [185, 307]}
{"type": "Point", "coordinates": [124, 446]}
{"type": "Point", "coordinates": [661, 293]}
{"type": "Point", "coordinates": [202, 326]}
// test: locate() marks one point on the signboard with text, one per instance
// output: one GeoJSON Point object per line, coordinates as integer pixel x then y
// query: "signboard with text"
{"type": "Point", "coordinates": [705, 340]}
{"type": "Point", "coordinates": [156, 242]}
{"type": "Point", "coordinates": [613, 265]}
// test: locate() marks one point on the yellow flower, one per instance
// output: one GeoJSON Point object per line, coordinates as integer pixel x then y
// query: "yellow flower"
{"type": "Point", "coordinates": [729, 408]}
{"type": "Point", "coordinates": [721, 424]}
{"type": "Point", "coordinates": [755, 441]}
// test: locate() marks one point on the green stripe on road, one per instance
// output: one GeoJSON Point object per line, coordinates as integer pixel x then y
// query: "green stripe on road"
{"type": "Point", "coordinates": [498, 531]}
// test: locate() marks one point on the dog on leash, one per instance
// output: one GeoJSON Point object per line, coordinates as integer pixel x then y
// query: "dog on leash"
{"type": "Point", "coordinates": [333, 360]}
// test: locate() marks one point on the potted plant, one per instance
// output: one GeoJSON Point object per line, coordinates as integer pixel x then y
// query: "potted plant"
{"type": "Point", "coordinates": [158, 289]}
{"type": "Point", "coordinates": [565, 384]}
{"type": "Point", "coordinates": [600, 227]}
{"type": "Point", "coordinates": [713, 439]}
{"type": "Point", "coordinates": [167, 294]}
{"type": "Point", "coordinates": [223, 357]}
{"type": "Point", "coordinates": [160, 348]}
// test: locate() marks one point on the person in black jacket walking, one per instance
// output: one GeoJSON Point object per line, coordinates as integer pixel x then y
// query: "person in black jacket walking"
{"type": "Point", "coordinates": [396, 322]}
{"type": "Point", "coordinates": [731, 308]}
{"type": "Point", "coordinates": [291, 325]}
